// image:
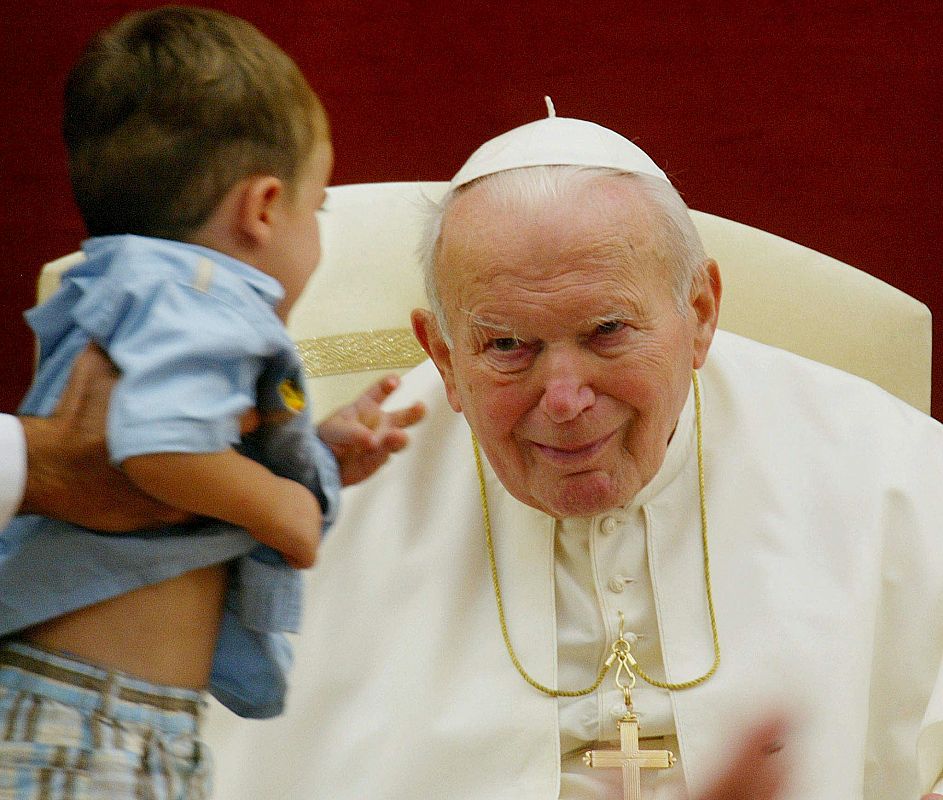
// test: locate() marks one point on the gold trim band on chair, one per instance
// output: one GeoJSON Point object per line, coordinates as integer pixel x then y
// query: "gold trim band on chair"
{"type": "Point", "coordinates": [362, 351]}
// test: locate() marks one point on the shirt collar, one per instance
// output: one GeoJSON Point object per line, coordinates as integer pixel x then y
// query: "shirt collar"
{"type": "Point", "coordinates": [268, 288]}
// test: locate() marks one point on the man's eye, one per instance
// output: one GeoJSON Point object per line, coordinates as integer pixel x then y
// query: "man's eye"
{"type": "Point", "coordinates": [506, 344]}
{"type": "Point", "coordinates": [610, 327]}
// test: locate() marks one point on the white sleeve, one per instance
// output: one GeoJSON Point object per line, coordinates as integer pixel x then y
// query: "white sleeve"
{"type": "Point", "coordinates": [12, 467]}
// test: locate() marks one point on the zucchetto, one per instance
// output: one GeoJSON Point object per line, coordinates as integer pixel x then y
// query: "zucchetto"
{"type": "Point", "coordinates": [556, 141]}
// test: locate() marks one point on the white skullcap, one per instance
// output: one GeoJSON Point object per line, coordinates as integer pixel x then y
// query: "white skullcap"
{"type": "Point", "coordinates": [556, 141]}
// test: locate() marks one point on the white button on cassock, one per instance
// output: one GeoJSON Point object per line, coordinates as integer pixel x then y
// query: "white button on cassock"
{"type": "Point", "coordinates": [609, 525]}
{"type": "Point", "coordinates": [617, 582]}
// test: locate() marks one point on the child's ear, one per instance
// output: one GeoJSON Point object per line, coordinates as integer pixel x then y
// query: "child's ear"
{"type": "Point", "coordinates": [256, 205]}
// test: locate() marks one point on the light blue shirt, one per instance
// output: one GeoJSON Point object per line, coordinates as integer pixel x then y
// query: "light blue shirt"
{"type": "Point", "coordinates": [198, 343]}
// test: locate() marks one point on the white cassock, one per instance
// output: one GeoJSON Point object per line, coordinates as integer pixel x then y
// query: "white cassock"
{"type": "Point", "coordinates": [825, 508]}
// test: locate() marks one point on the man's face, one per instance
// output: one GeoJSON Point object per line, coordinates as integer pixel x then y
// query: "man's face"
{"type": "Point", "coordinates": [570, 358]}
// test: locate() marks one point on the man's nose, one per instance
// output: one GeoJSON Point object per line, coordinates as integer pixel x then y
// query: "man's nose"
{"type": "Point", "coordinates": [567, 394]}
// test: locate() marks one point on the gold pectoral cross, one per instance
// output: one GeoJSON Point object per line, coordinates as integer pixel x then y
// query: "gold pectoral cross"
{"type": "Point", "coordinates": [630, 758]}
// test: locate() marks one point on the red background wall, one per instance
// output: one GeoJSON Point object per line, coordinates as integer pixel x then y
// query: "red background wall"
{"type": "Point", "coordinates": [816, 121]}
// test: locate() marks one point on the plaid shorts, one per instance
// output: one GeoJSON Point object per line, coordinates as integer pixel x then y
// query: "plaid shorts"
{"type": "Point", "coordinates": [72, 731]}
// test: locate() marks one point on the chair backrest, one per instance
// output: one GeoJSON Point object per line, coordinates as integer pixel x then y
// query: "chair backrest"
{"type": "Point", "coordinates": [775, 291]}
{"type": "Point", "coordinates": [352, 321]}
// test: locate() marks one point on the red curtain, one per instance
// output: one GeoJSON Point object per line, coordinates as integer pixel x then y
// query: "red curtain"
{"type": "Point", "coordinates": [817, 121]}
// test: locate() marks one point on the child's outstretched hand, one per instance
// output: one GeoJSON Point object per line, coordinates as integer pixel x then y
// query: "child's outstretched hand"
{"type": "Point", "coordinates": [362, 435]}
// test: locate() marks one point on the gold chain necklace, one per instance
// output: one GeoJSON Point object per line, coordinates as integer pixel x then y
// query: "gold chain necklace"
{"type": "Point", "coordinates": [604, 669]}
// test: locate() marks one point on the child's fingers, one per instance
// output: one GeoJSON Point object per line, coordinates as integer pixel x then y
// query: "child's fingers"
{"type": "Point", "coordinates": [393, 440]}
{"type": "Point", "coordinates": [379, 423]}
{"type": "Point", "coordinates": [357, 434]}
{"type": "Point", "coordinates": [404, 417]}
{"type": "Point", "coordinates": [379, 391]}
{"type": "Point", "coordinates": [390, 435]}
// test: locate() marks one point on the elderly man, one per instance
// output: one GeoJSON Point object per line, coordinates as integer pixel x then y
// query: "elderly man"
{"type": "Point", "coordinates": [638, 536]}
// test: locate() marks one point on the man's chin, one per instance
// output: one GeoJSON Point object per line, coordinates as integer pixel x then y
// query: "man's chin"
{"type": "Point", "coordinates": [584, 495]}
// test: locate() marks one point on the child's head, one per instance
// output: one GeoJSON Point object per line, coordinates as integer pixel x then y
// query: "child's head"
{"type": "Point", "coordinates": [167, 110]}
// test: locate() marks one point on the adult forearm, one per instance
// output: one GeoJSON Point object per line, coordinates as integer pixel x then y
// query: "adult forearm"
{"type": "Point", "coordinates": [68, 477]}
{"type": "Point", "coordinates": [43, 489]}
{"type": "Point", "coordinates": [67, 472]}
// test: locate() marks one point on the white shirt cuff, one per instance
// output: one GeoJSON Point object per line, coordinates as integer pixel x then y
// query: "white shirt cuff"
{"type": "Point", "coordinates": [12, 467]}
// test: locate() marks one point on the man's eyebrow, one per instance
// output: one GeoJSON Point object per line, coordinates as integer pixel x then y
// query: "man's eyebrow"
{"type": "Point", "coordinates": [620, 315]}
{"type": "Point", "coordinates": [491, 325]}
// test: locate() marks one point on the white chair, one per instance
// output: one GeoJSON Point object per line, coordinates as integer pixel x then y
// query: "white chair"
{"type": "Point", "coordinates": [352, 321]}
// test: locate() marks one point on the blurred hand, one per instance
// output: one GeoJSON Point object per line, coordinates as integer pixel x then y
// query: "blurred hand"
{"type": "Point", "coordinates": [757, 770]}
{"type": "Point", "coordinates": [69, 476]}
{"type": "Point", "coordinates": [362, 435]}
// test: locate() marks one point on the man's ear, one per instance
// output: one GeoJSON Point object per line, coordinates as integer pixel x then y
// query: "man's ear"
{"type": "Point", "coordinates": [257, 202]}
{"type": "Point", "coordinates": [706, 290]}
{"type": "Point", "coordinates": [426, 330]}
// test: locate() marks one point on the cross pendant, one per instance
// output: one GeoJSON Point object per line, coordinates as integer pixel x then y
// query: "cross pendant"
{"type": "Point", "coordinates": [630, 758]}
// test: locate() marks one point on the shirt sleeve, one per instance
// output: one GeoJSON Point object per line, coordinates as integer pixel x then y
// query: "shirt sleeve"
{"type": "Point", "coordinates": [189, 363]}
{"type": "Point", "coordinates": [12, 468]}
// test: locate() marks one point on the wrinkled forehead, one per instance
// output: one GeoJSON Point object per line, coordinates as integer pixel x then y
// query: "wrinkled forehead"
{"type": "Point", "coordinates": [491, 233]}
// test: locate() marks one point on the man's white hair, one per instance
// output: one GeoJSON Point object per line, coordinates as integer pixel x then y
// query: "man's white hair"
{"type": "Point", "coordinates": [530, 188]}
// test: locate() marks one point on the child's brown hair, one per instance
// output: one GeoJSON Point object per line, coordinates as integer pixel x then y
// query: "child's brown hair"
{"type": "Point", "coordinates": [167, 109]}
